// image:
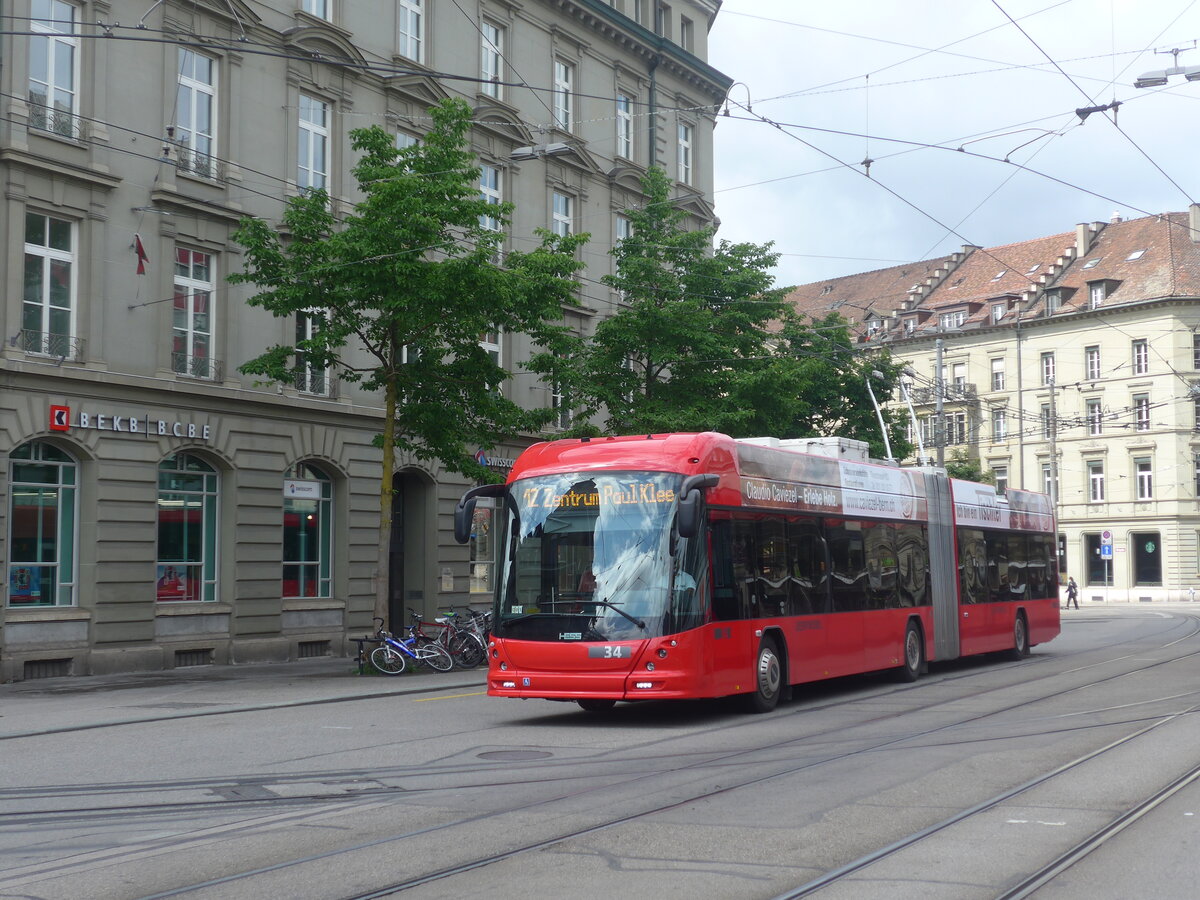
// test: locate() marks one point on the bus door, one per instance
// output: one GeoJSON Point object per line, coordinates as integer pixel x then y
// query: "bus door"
{"type": "Point", "coordinates": [728, 633]}
{"type": "Point", "coordinates": [977, 616]}
{"type": "Point", "coordinates": [849, 584]}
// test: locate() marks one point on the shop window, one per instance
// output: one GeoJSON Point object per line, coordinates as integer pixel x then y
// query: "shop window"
{"type": "Point", "coordinates": [307, 532]}
{"type": "Point", "coordinates": [1147, 557]}
{"type": "Point", "coordinates": [187, 530]}
{"type": "Point", "coordinates": [1099, 569]}
{"type": "Point", "coordinates": [41, 514]}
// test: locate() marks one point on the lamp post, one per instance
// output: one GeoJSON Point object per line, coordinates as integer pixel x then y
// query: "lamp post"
{"type": "Point", "coordinates": [1158, 77]}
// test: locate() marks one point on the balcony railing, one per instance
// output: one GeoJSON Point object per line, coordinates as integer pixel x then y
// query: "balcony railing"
{"type": "Point", "coordinates": [949, 392]}
{"type": "Point", "coordinates": [56, 121]}
{"type": "Point", "coordinates": [60, 346]}
{"type": "Point", "coordinates": [322, 384]}
{"type": "Point", "coordinates": [193, 162]}
{"type": "Point", "coordinates": [196, 366]}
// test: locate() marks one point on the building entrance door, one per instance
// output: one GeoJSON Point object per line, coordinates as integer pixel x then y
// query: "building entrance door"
{"type": "Point", "coordinates": [412, 542]}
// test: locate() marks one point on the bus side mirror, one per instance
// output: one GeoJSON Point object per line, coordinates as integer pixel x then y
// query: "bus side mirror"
{"type": "Point", "coordinates": [690, 497]}
{"type": "Point", "coordinates": [464, 512]}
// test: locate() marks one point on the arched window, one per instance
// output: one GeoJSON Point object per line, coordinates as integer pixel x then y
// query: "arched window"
{"type": "Point", "coordinates": [187, 529]}
{"type": "Point", "coordinates": [307, 532]}
{"type": "Point", "coordinates": [41, 516]}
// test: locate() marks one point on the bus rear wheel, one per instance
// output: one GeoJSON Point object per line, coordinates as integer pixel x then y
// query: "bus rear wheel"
{"type": "Point", "coordinates": [768, 678]}
{"type": "Point", "coordinates": [1020, 647]}
{"type": "Point", "coordinates": [596, 705]}
{"type": "Point", "coordinates": [914, 654]}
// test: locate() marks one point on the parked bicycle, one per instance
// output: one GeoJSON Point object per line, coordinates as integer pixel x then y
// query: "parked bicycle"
{"type": "Point", "coordinates": [393, 656]}
{"type": "Point", "coordinates": [465, 647]}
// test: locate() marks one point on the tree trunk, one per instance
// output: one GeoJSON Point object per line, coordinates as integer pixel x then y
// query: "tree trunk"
{"type": "Point", "coordinates": [386, 486]}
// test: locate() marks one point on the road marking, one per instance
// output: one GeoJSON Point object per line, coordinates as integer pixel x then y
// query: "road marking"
{"type": "Point", "coordinates": [1028, 822]}
{"type": "Point", "coordinates": [449, 697]}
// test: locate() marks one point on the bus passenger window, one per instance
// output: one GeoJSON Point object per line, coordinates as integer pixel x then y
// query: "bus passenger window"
{"type": "Point", "coordinates": [972, 566]}
{"type": "Point", "coordinates": [848, 577]}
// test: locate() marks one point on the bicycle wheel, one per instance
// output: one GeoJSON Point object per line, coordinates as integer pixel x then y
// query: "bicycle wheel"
{"type": "Point", "coordinates": [434, 656]}
{"type": "Point", "coordinates": [388, 660]}
{"type": "Point", "coordinates": [467, 650]}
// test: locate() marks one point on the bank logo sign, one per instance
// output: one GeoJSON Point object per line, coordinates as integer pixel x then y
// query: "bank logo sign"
{"type": "Point", "coordinates": [145, 426]}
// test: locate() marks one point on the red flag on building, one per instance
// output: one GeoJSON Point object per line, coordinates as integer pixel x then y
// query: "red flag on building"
{"type": "Point", "coordinates": [142, 258]}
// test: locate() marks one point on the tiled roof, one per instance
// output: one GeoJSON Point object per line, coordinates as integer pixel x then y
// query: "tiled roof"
{"type": "Point", "coordinates": [1000, 271]}
{"type": "Point", "coordinates": [1150, 258]}
{"type": "Point", "coordinates": [853, 296]}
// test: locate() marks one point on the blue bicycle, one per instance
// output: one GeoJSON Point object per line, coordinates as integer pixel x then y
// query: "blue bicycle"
{"type": "Point", "coordinates": [393, 655]}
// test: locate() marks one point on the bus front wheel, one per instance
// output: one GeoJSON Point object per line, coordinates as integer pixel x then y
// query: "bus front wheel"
{"type": "Point", "coordinates": [768, 678]}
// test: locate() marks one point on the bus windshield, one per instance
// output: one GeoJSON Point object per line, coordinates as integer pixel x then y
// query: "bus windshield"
{"type": "Point", "coordinates": [589, 557]}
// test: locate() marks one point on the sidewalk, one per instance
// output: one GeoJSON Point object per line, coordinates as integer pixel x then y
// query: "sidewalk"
{"type": "Point", "coordinates": [46, 705]}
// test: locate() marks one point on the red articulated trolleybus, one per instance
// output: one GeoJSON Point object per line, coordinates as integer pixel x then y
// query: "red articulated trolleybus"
{"type": "Point", "coordinates": [674, 566]}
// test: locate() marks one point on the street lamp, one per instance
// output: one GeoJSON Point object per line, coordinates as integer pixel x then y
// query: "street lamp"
{"type": "Point", "coordinates": [537, 151]}
{"type": "Point", "coordinates": [1158, 77]}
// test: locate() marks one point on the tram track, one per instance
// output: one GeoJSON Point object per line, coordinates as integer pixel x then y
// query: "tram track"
{"type": "Point", "coordinates": [224, 792]}
{"type": "Point", "coordinates": [728, 787]}
{"type": "Point", "coordinates": [699, 765]}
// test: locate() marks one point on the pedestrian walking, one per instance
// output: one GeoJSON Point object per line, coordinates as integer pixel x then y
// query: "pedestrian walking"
{"type": "Point", "coordinates": [1072, 593]}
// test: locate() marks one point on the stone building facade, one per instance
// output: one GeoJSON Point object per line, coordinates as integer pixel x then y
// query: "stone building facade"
{"type": "Point", "coordinates": [158, 508]}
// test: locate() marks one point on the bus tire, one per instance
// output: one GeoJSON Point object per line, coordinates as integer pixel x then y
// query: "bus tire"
{"type": "Point", "coordinates": [768, 679]}
{"type": "Point", "coordinates": [914, 654]}
{"type": "Point", "coordinates": [1020, 648]}
{"type": "Point", "coordinates": [594, 705]}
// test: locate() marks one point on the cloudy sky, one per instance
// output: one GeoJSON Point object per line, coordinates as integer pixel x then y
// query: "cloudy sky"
{"type": "Point", "coordinates": [939, 95]}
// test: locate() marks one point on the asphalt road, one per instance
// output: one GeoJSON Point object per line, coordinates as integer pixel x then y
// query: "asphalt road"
{"type": "Point", "coordinates": [1072, 774]}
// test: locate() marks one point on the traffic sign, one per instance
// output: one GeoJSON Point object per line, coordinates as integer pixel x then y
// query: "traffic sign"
{"type": "Point", "coordinates": [1106, 551]}
{"type": "Point", "coordinates": [1106, 537]}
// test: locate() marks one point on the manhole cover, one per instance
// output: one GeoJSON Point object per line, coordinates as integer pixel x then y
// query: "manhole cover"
{"type": "Point", "coordinates": [515, 754]}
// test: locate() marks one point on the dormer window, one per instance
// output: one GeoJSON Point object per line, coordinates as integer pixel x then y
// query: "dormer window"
{"type": "Point", "coordinates": [872, 326]}
{"type": "Point", "coordinates": [910, 325]}
{"type": "Point", "coordinates": [952, 319]}
{"type": "Point", "coordinates": [1099, 291]}
{"type": "Point", "coordinates": [998, 311]}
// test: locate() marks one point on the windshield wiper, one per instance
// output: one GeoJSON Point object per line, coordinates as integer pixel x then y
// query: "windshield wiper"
{"type": "Point", "coordinates": [638, 622]}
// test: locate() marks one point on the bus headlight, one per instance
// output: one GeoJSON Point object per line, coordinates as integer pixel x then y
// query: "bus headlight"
{"type": "Point", "coordinates": [649, 667]}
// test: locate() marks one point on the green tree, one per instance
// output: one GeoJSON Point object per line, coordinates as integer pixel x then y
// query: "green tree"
{"type": "Point", "coordinates": [688, 315]}
{"type": "Point", "coordinates": [961, 465]}
{"type": "Point", "coordinates": [702, 341]}
{"type": "Point", "coordinates": [814, 384]}
{"type": "Point", "coordinates": [399, 295]}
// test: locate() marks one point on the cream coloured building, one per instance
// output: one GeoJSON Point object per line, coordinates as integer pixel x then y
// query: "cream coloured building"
{"type": "Point", "coordinates": [1070, 364]}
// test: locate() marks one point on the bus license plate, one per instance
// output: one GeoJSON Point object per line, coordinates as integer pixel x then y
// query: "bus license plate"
{"type": "Point", "coordinates": [609, 651]}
